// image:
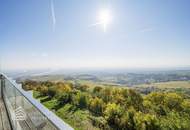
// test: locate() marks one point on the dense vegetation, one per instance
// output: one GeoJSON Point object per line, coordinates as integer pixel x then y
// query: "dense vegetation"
{"type": "Point", "coordinates": [111, 108]}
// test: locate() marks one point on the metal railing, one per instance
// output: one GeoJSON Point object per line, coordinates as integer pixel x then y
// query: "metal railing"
{"type": "Point", "coordinates": [25, 112]}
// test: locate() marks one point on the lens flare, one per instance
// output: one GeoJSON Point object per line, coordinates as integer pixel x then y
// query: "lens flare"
{"type": "Point", "coordinates": [104, 18]}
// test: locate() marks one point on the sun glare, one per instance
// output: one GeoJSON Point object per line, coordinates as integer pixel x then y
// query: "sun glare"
{"type": "Point", "coordinates": [104, 18]}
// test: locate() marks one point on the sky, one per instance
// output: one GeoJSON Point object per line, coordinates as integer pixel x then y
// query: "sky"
{"type": "Point", "coordinates": [38, 34]}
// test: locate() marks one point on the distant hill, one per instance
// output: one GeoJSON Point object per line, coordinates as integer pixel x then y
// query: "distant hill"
{"type": "Point", "coordinates": [118, 79]}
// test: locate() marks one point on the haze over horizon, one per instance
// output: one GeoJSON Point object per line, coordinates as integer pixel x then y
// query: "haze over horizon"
{"type": "Point", "coordinates": [94, 34]}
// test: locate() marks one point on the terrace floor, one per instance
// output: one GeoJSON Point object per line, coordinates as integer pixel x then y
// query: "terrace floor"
{"type": "Point", "coordinates": [4, 121]}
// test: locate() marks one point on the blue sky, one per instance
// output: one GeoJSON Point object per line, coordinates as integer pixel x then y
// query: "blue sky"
{"type": "Point", "coordinates": [58, 34]}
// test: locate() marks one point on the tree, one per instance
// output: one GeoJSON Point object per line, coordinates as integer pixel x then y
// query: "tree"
{"type": "Point", "coordinates": [99, 122]}
{"type": "Point", "coordinates": [113, 113]}
{"type": "Point", "coordinates": [118, 98]}
{"type": "Point", "coordinates": [186, 106]}
{"type": "Point", "coordinates": [63, 98]}
{"type": "Point", "coordinates": [149, 107]}
{"type": "Point", "coordinates": [29, 85]}
{"type": "Point", "coordinates": [127, 120]}
{"type": "Point", "coordinates": [173, 101]}
{"type": "Point", "coordinates": [106, 94]}
{"type": "Point", "coordinates": [62, 87]}
{"type": "Point", "coordinates": [43, 90]}
{"type": "Point", "coordinates": [134, 99]}
{"type": "Point", "coordinates": [80, 100]}
{"type": "Point", "coordinates": [47, 83]}
{"type": "Point", "coordinates": [97, 105]}
{"type": "Point", "coordinates": [51, 92]}
{"type": "Point", "coordinates": [97, 89]}
{"type": "Point", "coordinates": [82, 87]}
{"type": "Point", "coordinates": [156, 98]}
{"type": "Point", "coordinates": [175, 121]}
{"type": "Point", "coordinates": [146, 121]}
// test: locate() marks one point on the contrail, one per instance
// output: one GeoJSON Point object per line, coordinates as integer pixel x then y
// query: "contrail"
{"type": "Point", "coordinates": [95, 24]}
{"type": "Point", "coordinates": [91, 25]}
{"type": "Point", "coordinates": [53, 14]}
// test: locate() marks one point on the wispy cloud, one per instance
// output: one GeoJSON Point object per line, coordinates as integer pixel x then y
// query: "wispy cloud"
{"type": "Point", "coordinates": [53, 14]}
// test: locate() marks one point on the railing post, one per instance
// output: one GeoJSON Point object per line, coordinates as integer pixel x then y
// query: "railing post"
{"type": "Point", "coordinates": [2, 84]}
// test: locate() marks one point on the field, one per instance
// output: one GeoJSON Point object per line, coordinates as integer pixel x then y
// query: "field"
{"type": "Point", "coordinates": [170, 84]}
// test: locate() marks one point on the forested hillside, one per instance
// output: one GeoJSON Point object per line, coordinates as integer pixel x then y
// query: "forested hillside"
{"type": "Point", "coordinates": [111, 108]}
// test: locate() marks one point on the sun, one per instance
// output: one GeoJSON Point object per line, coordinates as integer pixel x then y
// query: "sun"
{"type": "Point", "coordinates": [104, 18]}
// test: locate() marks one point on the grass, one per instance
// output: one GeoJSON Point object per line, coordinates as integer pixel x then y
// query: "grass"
{"type": "Point", "coordinates": [50, 104]}
{"type": "Point", "coordinates": [93, 84]}
{"type": "Point", "coordinates": [77, 118]}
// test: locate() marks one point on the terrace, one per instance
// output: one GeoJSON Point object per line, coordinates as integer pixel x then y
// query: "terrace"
{"type": "Point", "coordinates": [20, 111]}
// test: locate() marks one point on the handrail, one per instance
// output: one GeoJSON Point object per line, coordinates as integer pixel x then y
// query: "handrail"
{"type": "Point", "coordinates": [56, 121]}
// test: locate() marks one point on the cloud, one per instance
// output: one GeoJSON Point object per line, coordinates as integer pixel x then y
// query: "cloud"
{"type": "Point", "coordinates": [53, 14]}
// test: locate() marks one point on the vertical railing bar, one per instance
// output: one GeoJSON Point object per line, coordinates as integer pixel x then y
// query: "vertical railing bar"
{"type": "Point", "coordinates": [1, 80]}
{"type": "Point", "coordinates": [15, 96]}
